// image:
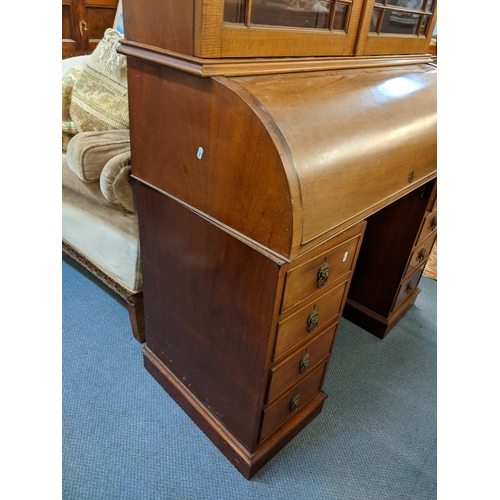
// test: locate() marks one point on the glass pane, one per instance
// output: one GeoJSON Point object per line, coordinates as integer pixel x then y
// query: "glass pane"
{"type": "Point", "coordinates": [425, 25]}
{"type": "Point", "coordinates": [340, 19]}
{"type": "Point", "coordinates": [296, 13]}
{"type": "Point", "coordinates": [234, 11]}
{"type": "Point", "coordinates": [409, 4]}
{"type": "Point", "coordinates": [374, 21]}
{"type": "Point", "coordinates": [399, 22]}
{"type": "Point", "coordinates": [430, 5]}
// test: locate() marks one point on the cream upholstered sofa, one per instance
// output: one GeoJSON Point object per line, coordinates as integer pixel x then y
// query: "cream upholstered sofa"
{"type": "Point", "coordinates": [99, 220]}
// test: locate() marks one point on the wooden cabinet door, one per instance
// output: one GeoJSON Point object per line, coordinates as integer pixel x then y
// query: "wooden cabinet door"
{"type": "Point", "coordinates": [98, 16]}
{"type": "Point", "coordinates": [71, 39]}
{"type": "Point", "coordinates": [396, 27]}
{"type": "Point", "coordinates": [84, 23]}
{"type": "Point", "coordinates": [262, 28]}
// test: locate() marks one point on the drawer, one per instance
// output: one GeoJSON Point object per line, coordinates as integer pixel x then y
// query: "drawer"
{"type": "Point", "coordinates": [419, 255]}
{"type": "Point", "coordinates": [319, 272]}
{"type": "Point", "coordinates": [432, 205]}
{"type": "Point", "coordinates": [292, 402]}
{"type": "Point", "coordinates": [429, 225]}
{"type": "Point", "coordinates": [434, 202]}
{"type": "Point", "coordinates": [294, 368]}
{"type": "Point", "coordinates": [408, 285]}
{"type": "Point", "coordinates": [309, 319]}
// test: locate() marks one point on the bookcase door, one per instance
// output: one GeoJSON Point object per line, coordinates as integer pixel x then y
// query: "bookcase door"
{"type": "Point", "coordinates": [396, 27]}
{"type": "Point", "coordinates": [264, 28]}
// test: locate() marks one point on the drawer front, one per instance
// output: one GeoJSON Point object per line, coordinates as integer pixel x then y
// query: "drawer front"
{"type": "Point", "coordinates": [318, 273]}
{"type": "Point", "coordinates": [292, 402]}
{"type": "Point", "coordinates": [432, 205]}
{"type": "Point", "coordinates": [407, 287]}
{"type": "Point", "coordinates": [429, 225]}
{"type": "Point", "coordinates": [309, 319]}
{"type": "Point", "coordinates": [294, 368]}
{"type": "Point", "coordinates": [419, 255]}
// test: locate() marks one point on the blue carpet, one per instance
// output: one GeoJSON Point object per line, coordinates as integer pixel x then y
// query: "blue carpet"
{"type": "Point", "coordinates": [125, 438]}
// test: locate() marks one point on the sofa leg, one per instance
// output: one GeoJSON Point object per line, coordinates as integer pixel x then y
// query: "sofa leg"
{"type": "Point", "coordinates": [134, 301]}
{"type": "Point", "coordinates": [135, 308]}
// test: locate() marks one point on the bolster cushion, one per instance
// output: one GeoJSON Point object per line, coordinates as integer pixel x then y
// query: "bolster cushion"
{"type": "Point", "coordinates": [88, 152]}
{"type": "Point", "coordinates": [115, 182]}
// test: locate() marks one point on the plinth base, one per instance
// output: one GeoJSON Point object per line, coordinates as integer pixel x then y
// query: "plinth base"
{"type": "Point", "coordinates": [248, 463]}
{"type": "Point", "coordinates": [374, 323]}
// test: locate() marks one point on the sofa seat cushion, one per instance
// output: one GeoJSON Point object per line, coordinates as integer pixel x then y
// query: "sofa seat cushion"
{"type": "Point", "coordinates": [88, 152]}
{"type": "Point", "coordinates": [106, 236]}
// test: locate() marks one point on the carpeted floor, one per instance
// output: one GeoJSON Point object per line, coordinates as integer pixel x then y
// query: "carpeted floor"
{"type": "Point", "coordinates": [124, 437]}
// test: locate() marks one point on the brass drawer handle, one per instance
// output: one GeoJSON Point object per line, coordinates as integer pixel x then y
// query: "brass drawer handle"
{"type": "Point", "coordinates": [294, 403]}
{"type": "Point", "coordinates": [409, 287]}
{"type": "Point", "coordinates": [434, 222]}
{"type": "Point", "coordinates": [312, 321]}
{"type": "Point", "coordinates": [322, 275]}
{"type": "Point", "coordinates": [83, 27]}
{"type": "Point", "coordinates": [422, 255]}
{"type": "Point", "coordinates": [304, 364]}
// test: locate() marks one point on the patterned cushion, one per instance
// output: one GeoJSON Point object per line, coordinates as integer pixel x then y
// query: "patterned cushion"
{"type": "Point", "coordinates": [100, 100]}
{"type": "Point", "coordinates": [66, 137]}
{"type": "Point", "coordinates": [68, 82]}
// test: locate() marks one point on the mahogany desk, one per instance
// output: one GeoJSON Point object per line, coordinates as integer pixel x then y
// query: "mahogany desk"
{"type": "Point", "coordinates": [271, 194]}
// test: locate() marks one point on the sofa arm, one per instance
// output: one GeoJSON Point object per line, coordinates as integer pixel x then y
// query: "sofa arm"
{"type": "Point", "coordinates": [115, 182]}
{"type": "Point", "coordinates": [77, 62]}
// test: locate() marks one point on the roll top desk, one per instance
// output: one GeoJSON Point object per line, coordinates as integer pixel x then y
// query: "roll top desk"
{"type": "Point", "coordinates": [285, 159]}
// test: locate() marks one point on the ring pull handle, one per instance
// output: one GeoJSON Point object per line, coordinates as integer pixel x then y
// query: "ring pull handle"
{"type": "Point", "coordinates": [312, 321]}
{"type": "Point", "coordinates": [294, 403]}
{"type": "Point", "coordinates": [304, 364]}
{"type": "Point", "coordinates": [434, 222]}
{"type": "Point", "coordinates": [409, 287]}
{"type": "Point", "coordinates": [322, 277]}
{"type": "Point", "coordinates": [422, 255]}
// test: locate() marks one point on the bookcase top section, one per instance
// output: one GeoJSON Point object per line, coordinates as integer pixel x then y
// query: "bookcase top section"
{"type": "Point", "coordinates": [281, 28]}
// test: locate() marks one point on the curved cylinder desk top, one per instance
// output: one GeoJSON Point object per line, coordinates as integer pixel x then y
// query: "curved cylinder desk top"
{"type": "Point", "coordinates": [287, 160]}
